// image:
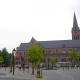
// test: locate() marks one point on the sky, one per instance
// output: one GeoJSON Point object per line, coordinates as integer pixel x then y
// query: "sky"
{"type": "Point", "coordinates": [20, 20]}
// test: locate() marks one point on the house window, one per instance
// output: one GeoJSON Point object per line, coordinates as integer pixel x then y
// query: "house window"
{"type": "Point", "coordinates": [56, 51]}
{"type": "Point", "coordinates": [66, 50]}
{"type": "Point", "coordinates": [60, 51]}
{"type": "Point", "coordinates": [70, 50]}
{"type": "Point", "coordinates": [20, 52]}
{"type": "Point", "coordinates": [74, 37]}
{"type": "Point", "coordinates": [78, 36]}
{"type": "Point", "coordinates": [63, 51]}
{"type": "Point", "coordinates": [24, 53]}
{"type": "Point", "coordinates": [51, 51]}
{"type": "Point", "coordinates": [45, 51]}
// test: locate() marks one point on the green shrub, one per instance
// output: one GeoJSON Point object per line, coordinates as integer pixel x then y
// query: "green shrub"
{"type": "Point", "coordinates": [10, 70]}
{"type": "Point", "coordinates": [39, 76]}
{"type": "Point", "coordinates": [38, 72]}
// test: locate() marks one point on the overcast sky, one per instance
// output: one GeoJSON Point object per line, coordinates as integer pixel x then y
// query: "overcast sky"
{"type": "Point", "coordinates": [42, 19]}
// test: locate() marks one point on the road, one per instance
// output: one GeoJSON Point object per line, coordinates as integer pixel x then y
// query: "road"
{"type": "Point", "coordinates": [71, 74]}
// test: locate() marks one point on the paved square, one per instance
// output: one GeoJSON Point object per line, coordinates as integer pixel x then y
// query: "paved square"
{"type": "Point", "coordinates": [60, 74]}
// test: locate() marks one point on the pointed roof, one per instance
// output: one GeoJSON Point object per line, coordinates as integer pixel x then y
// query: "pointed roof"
{"type": "Point", "coordinates": [75, 24]}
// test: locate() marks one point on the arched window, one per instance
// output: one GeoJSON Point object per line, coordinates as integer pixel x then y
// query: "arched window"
{"type": "Point", "coordinates": [43, 51]}
{"type": "Point", "coordinates": [63, 50]}
{"type": "Point", "coordinates": [78, 36]}
{"type": "Point", "coordinates": [74, 37]}
{"type": "Point", "coordinates": [60, 51]}
{"type": "Point", "coordinates": [56, 51]}
{"type": "Point", "coordinates": [51, 51]}
{"type": "Point", "coordinates": [20, 52]}
{"type": "Point", "coordinates": [69, 50]}
{"type": "Point", "coordinates": [46, 51]}
{"type": "Point", "coordinates": [24, 53]}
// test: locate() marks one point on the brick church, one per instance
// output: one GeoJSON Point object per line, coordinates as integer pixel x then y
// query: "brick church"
{"type": "Point", "coordinates": [59, 49]}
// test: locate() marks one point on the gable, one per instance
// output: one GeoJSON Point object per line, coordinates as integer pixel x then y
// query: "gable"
{"type": "Point", "coordinates": [32, 41]}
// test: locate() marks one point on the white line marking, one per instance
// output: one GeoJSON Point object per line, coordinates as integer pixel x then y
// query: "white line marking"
{"type": "Point", "coordinates": [61, 73]}
{"type": "Point", "coordinates": [71, 77]}
{"type": "Point", "coordinates": [65, 75]}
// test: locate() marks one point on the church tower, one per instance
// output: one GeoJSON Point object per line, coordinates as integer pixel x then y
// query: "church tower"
{"type": "Point", "coordinates": [75, 29]}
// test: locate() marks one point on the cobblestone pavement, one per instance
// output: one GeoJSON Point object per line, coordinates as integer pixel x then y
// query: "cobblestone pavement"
{"type": "Point", "coordinates": [60, 74]}
{"type": "Point", "coordinates": [18, 75]}
{"type": "Point", "coordinates": [8, 78]}
{"type": "Point", "coordinates": [3, 74]}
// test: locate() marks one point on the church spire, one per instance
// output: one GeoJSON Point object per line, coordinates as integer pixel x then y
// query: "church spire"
{"type": "Point", "coordinates": [75, 24]}
{"type": "Point", "coordinates": [75, 30]}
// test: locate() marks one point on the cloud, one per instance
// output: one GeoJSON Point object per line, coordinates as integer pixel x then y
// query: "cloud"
{"type": "Point", "coordinates": [42, 19]}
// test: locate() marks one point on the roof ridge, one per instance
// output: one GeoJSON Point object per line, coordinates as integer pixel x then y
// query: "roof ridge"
{"type": "Point", "coordinates": [56, 40]}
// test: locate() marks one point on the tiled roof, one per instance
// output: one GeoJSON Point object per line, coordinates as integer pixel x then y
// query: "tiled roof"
{"type": "Point", "coordinates": [23, 46]}
{"type": "Point", "coordinates": [60, 43]}
{"type": "Point", "coordinates": [53, 44]}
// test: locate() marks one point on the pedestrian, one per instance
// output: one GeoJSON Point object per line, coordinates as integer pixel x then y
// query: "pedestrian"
{"type": "Point", "coordinates": [19, 66]}
{"type": "Point", "coordinates": [75, 66]}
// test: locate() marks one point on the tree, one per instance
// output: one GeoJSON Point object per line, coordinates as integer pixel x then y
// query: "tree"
{"type": "Point", "coordinates": [52, 60]}
{"type": "Point", "coordinates": [34, 55]}
{"type": "Point", "coordinates": [0, 53]}
{"type": "Point", "coordinates": [1, 60]}
{"type": "Point", "coordinates": [5, 56]}
{"type": "Point", "coordinates": [73, 56]}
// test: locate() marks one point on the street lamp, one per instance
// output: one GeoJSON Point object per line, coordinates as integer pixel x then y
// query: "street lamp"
{"type": "Point", "coordinates": [13, 52]}
{"type": "Point", "coordinates": [1, 63]}
{"type": "Point", "coordinates": [48, 63]}
{"type": "Point", "coordinates": [28, 67]}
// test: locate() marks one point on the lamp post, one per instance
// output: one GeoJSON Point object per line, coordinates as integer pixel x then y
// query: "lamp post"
{"type": "Point", "coordinates": [67, 63]}
{"type": "Point", "coordinates": [1, 63]}
{"type": "Point", "coordinates": [28, 63]}
{"type": "Point", "coordinates": [28, 67]}
{"type": "Point", "coordinates": [13, 52]}
{"type": "Point", "coordinates": [48, 63]}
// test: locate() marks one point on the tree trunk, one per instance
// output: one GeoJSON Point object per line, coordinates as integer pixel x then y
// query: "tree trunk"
{"type": "Point", "coordinates": [52, 65]}
{"type": "Point", "coordinates": [38, 69]}
{"type": "Point", "coordinates": [32, 69]}
{"type": "Point", "coordinates": [35, 65]}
